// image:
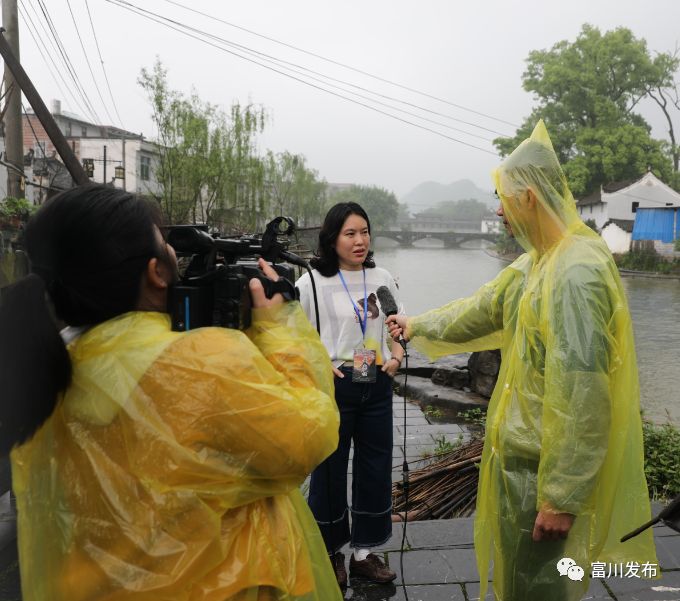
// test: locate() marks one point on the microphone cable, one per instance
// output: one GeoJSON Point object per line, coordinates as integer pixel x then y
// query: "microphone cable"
{"type": "Point", "coordinates": [316, 300]}
{"type": "Point", "coordinates": [331, 555]}
{"type": "Point", "coordinates": [405, 483]}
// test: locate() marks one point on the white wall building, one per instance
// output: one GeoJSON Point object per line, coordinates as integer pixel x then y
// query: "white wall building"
{"type": "Point", "coordinates": [620, 200]}
{"type": "Point", "coordinates": [617, 234]}
{"type": "Point", "coordinates": [98, 143]}
{"type": "Point", "coordinates": [137, 156]}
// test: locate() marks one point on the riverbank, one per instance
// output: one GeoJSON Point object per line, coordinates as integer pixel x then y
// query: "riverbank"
{"type": "Point", "coordinates": [626, 273]}
{"type": "Point", "coordinates": [450, 385]}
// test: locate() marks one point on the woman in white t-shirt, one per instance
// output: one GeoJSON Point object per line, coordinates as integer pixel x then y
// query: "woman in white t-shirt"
{"type": "Point", "coordinates": [364, 360]}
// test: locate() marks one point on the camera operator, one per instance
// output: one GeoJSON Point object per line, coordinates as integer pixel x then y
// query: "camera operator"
{"type": "Point", "coordinates": [147, 463]}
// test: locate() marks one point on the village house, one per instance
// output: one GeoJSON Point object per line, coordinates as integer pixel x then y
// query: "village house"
{"type": "Point", "coordinates": [614, 207]}
{"type": "Point", "coordinates": [112, 155]}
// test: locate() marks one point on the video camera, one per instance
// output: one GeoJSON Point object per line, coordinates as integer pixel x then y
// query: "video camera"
{"type": "Point", "coordinates": [213, 290]}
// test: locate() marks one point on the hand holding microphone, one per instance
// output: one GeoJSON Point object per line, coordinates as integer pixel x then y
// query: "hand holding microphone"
{"type": "Point", "coordinates": [395, 323]}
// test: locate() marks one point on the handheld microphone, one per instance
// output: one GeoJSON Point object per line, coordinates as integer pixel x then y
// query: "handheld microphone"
{"type": "Point", "coordinates": [389, 307]}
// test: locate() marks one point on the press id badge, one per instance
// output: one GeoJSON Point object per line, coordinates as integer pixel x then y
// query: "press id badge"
{"type": "Point", "coordinates": [364, 365]}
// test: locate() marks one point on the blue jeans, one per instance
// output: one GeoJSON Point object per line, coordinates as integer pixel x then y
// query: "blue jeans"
{"type": "Point", "coordinates": [366, 419]}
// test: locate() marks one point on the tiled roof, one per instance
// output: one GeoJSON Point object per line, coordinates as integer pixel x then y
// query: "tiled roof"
{"type": "Point", "coordinates": [625, 224]}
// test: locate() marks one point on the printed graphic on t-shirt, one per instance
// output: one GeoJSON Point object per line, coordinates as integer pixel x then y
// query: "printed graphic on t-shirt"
{"type": "Point", "coordinates": [372, 304]}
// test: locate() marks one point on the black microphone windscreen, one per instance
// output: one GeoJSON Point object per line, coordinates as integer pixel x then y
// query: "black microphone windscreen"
{"type": "Point", "coordinates": [387, 302]}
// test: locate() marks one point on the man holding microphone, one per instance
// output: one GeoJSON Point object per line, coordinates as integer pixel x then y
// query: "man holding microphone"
{"type": "Point", "coordinates": [562, 468]}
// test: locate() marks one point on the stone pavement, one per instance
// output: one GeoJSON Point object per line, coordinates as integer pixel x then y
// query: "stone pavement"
{"type": "Point", "coordinates": [438, 560]}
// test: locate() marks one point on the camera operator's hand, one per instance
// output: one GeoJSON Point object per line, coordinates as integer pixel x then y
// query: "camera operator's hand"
{"type": "Point", "coordinates": [257, 290]}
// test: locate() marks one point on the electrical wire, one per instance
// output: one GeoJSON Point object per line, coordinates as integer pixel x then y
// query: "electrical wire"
{"type": "Point", "coordinates": [126, 6]}
{"type": "Point", "coordinates": [101, 60]}
{"type": "Point", "coordinates": [39, 42]}
{"type": "Point", "coordinates": [87, 60]}
{"type": "Point", "coordinates": [68, 63]}
{"type": "Point", "coordinates": [30, 124]}
{"type": "Point", "coordinates": [343, 65]}
{"type": "Point", "coordinates": [282, 64]}
{"type": "Point", "coordinates": [294, 66]}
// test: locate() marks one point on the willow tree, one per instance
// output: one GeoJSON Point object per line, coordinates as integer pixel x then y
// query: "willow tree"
{"type": "Point", "coordinates": [293, 189]}
{"type": "Point", "coordinates": [381, 205]}
{"type": "Point", "coordinates": [208, 169]}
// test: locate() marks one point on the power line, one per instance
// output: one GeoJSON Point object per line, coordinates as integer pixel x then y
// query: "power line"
{"type": "Point", "coordinates": [281, 63]}
{"type": "Point", "coordinates": [87, 60]}
{"type": "Point", "coordinates": [30, 123]}
{"type": "Point", "coordinates": [101, 60]}
{"type": "Point", "coordinates": [68, 63]}
{"type": "Point", "coordinates": [37, 38]}
{"type": "Point", "coordinates": [343, 65]}
{"type": "Point", "coordinates": [131, 8]}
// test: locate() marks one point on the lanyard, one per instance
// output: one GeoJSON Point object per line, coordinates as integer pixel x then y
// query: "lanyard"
{"type": "Point", "coordinates": [363, 322]}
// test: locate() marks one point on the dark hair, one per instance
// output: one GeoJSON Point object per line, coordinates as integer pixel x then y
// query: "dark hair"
{"type": "Point", "coordinates": [326, 259]}
{"type": "Point", "coordinates": [88, 249]}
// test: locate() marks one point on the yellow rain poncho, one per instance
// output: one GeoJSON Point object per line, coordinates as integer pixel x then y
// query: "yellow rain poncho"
{"type": "Point", "coordinates": [563, 430]}
{"type": "Point", "coordinates": [170, 469]}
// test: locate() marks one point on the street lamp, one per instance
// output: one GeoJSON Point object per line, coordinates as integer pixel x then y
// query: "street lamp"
{"type": "Point", "coordinates": [119, 172]}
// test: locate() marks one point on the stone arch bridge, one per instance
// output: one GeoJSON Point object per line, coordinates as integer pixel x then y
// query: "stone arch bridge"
{"type": "Point", "coordinates": [405, 237]}
{"type": "Point", "coordinates": [450, 239]}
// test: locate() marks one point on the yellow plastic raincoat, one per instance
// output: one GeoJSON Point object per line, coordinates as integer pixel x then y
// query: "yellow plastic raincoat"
{"type": "Point", "coordinates": [563, 427]}
{"type": "Point", "coordinates": [170, 469]}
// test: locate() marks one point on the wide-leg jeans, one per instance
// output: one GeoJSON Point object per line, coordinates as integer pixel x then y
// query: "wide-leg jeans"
{"type": "Point", "coordinates": [365, 419]}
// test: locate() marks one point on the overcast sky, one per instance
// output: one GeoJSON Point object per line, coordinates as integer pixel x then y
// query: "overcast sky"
{"type": "Point", "coordinates": [470, 54]}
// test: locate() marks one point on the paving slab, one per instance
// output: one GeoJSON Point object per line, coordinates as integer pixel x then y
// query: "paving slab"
{"type": "Point", "coordinates": [435, 534]}
{"type": "Point", "coordinates": [635, 589]}
{"type": "Point", "coordinates": [472, 590]}
{"type": "Point", "coordinates": [438, 566]}
{"type": "Point", "coordinates": [668, 552]}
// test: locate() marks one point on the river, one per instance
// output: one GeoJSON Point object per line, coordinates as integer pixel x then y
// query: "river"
{"type": "Point", "coordinates": [432, 276]}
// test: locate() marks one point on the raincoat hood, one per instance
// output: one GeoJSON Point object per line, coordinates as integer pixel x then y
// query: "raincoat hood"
{"type": "Point", "coordinates": [534, 193]}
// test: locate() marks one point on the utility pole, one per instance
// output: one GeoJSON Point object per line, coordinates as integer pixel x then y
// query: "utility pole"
{"type": "Point", "coordinates": [24, 84]}
{"type": "Point", "coordinates": [14, 139]}
{"type": "Point", "coordinates": [104, 164]}
{"type": "Point", "coordinates": [124, 174]}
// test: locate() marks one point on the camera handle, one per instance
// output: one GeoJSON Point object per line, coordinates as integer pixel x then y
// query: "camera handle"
{"type": "Point", "coordinates": [283, 286]}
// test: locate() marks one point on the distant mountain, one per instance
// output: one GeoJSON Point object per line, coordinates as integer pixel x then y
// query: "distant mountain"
{"type": "Point", "coordinates": [429, 194]}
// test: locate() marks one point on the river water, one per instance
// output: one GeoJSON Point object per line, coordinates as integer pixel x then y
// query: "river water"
{"type": "Point", "coordinates": [432, 276]}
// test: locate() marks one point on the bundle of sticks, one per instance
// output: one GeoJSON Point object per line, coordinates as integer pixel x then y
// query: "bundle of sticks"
{"type": "Point", "coordinates": [445, 488]}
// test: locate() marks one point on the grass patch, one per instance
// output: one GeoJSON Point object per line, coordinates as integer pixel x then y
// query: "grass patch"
{"type": "Point", "coordinates": [662, 459]}
{"type": "Point", "coordinates": [433, 412]}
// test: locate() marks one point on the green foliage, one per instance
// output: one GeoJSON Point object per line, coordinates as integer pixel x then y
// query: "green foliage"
{"type": "Point", "coordinates": [647, 260]}
{"type": "Point", "coordinates": [587, 91]}
{"type": "Point", "coordinates": [507, 245]}
{"type": "Point", "coordinates": [293, 189]}
{"type": "Point", "coordinates": [676, 245]}
{"type": "Point", "coordinates": [443, 445]}
{"type": "Point", "coordinates": [615, 153]}
{"type": "Point", "coordinates": [433, 412]}
{"type": "Point", "coordinates": [467, 210]}
{"type": "Point", "coordinates": [208, 169]}
{"type": "Point", "coordinates": [662, 459]}
{"type": "Point", "coordinates": [381, 205]}
{"type": "Point", "coordinates": [591, 224]}
{"type": "Point", "coordinates": [475, 416]}
{"type": "Point", "coordinates": [18, 208]}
